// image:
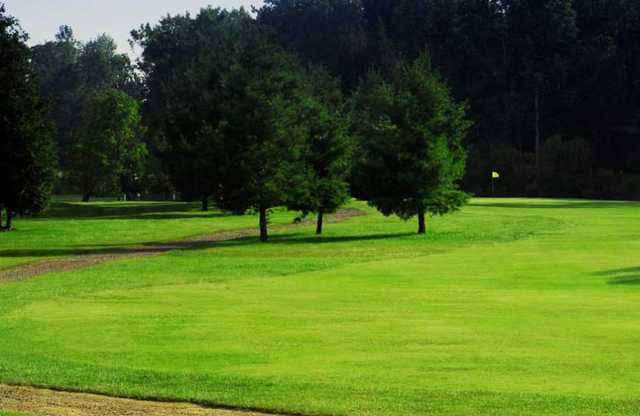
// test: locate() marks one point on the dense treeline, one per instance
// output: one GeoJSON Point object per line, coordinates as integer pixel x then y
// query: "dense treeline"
{"type": "Point", "coordinates": [553, 86]}
{"type": "Point", "coordinates": [307, 102]}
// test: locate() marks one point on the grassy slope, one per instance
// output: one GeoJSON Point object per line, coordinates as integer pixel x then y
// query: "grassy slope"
{"type": "Point", "coordinates": [69, 227]}
{"type": "Point", "coordinates": [510, 307]}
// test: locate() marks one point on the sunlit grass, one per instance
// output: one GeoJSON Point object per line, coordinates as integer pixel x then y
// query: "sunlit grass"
{"type": "Point", "coordinates": [510, 307]}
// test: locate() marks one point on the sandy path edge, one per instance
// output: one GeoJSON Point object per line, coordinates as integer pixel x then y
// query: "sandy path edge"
{"type": "Point", "coordinates": [29, 270]}
{"type": "Point", "coordinates": [48, 402]}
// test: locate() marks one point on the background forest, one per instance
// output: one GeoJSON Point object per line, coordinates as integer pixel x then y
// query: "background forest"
{"type": "Point", "coordinates": [552, 87]}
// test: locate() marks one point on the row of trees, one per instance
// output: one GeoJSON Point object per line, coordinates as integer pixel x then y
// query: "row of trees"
{"type": "Point", "coordinates": [237, 118]}
{"type": "Point", "coordinates": [235, 104]}
{"type": "Point", "coordinates": [234, 117]}
{"type": "Point", "coordinates": [531, 71]}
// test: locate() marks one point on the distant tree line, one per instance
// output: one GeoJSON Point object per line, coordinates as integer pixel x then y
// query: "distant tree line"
{"type": "Point", "coordinates": [552, 86]}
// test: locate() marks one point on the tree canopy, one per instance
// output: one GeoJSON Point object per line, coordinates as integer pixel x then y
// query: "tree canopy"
{"type": "Point", "coordinates": [71, 73]}
{"type": "Point", "coordinates": [411, 136]}
{"type": "Point", "coordinates": [108, 153]}
{"type": "Point", "coordinates": [319, 181]}
{"type": "Point", "coordinates": [184, 59]}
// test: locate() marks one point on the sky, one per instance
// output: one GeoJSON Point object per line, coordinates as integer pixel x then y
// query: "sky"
{"type": "Point", "coordinates": [89, 18]}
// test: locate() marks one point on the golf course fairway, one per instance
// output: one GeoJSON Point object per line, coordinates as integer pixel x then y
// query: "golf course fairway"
{"type": "Point", "coordinates": [509, 307]}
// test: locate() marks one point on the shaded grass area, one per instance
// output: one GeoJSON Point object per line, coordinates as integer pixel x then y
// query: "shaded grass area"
{"type": "Point", "coordinates": [628, 276]}
{"type": "Point", "coordinates": [499, 310]}
{"type": "Point", "coordinates": [70, 228]}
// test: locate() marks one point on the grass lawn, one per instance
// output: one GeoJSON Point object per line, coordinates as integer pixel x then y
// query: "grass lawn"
{"type": "Point", "coordinates": [510, 307]}
{"type": "Point", "coordinates": [70, 227]}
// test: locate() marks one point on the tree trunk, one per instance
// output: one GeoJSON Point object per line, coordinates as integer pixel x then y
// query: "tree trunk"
{"type": "Point", "coordinates": [320, 221]}
{"type": "Point", "coordinates": [422, 224]}
{"type": "Point", "coordinates": [9, 218]}
{"type": "Point", "coordinates": [536, 104]}
{"type": "Point", "coordinates": [263, 224]}
{"type": "Point", "coordinates": [205, 203]}
{"type": "Point", "coordinates": [86, 197]}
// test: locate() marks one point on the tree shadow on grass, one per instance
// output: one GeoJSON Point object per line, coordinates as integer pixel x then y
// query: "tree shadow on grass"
{"type": "Point", "coordinates": [625, 280]}
{"type": "Point", "coordinates": [304, 239]}
{"type": "Point", "coordinates": [161, 247]}
{"type": "Point", "coordinates": [626, 276]}
{"type": "Point", "coordinates": [126, 210]}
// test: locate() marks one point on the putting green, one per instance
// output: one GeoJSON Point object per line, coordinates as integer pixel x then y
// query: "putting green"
{"type": "Point", "coordinates": [510, 307]}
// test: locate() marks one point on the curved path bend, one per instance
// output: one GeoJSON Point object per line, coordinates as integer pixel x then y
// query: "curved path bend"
{"type": "Point", "coordinates": [152, 249]}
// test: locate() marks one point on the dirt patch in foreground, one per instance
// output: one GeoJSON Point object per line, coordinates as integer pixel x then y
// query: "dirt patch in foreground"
{"type": "Point", "coordinates": [56, 403]}
{"type": "Point", "coordinates": [103, 256]}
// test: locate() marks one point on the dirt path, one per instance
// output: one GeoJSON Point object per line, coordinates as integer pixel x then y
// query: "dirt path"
{"type": "Point", "coordinates": [44, 402]}
{"type": "Point", "coordinates": [103, 256]}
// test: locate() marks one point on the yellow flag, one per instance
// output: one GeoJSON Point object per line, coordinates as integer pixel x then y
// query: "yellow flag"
{"type": "Point", "coordinates": [495, 175]}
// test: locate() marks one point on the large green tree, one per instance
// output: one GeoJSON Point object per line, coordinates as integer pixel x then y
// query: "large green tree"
{"type": "Point", "coordinates": [411, 136]}
{"type": "Point", "coordinates": [255, 139]}
{"type": "Point", "coordinates": [27, 153]}
{"type": "Point", "coordinates": [320, 176]}
{"type": "Point", "coordinates": [184, 59]}
{"type": "Point", "coordinates": [108, 152]}
{"type": "Point", "coordinates": [219, 91]}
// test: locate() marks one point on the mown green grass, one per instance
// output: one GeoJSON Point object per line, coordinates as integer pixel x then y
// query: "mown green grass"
{"type": "Point", "coordinates": [510, 307]}
{"type": "Point", "coordinates": [70, 227]}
